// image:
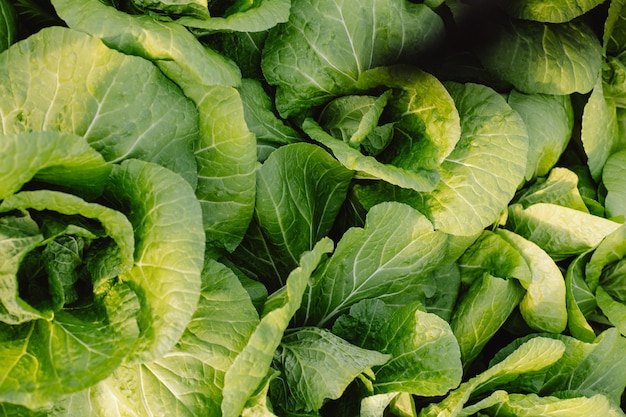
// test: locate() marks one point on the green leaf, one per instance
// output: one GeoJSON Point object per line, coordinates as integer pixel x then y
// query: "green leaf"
{"type": "Point", "coordinates": [8, 27]}
{"type": "Point", "coordinates": [560, 231]}
{"type": "Point", "coordinates": [226, 155]}
{"type": "Point", "coordinates": [317, 365]}
{"type": "Point", "coordinates": [23, 235]}
{"type": "Point", "coordinates": [353, 159]}
{"type": "Point", "coordinates": [426, 120]}
{"type": "Point", "coordinates": [597, 368]}
{"type": "Point", "coordinates": [196, 8]}
{"type": "Point", "coordinates": [189, 377]}
{"type": "Point", "coordinates": [480, 177]}
{"type": "Point", "coordinates": [170, 46]}
{"type": "Point", "coordinates": [223, 149]}
{"type": "Point", "coordinates": [263, 15]}
{"type": "Point", "coordinates": [544, 304]}
{"type": "Point", "coordinates": [18, 236]}
{"type": "Point", "coordinates": [549, 121]}
{"type": "Point", "coordinates": [61, 159]}
{"type": "Point", "coordinates": [535, 354]}
{"type": "Point", "coordinates": [532, 405]}
{"type": "Point", "coordinates": [108, 102]}
{"type": "Point", "coordinates": [614, 310]}
{"type": "Point", "coordinates": [610, 251]}
{"type": "Point", "coordinates": [270, 131]}
{"type": "Point", "coordinates": [613, 178]}
{"type": "Point", "coordinates": [553, 11]}
{"type": "Point", "coordinates": [332, 43]}
{"type": "Point", "coordinates": [559, 187]}
{"type": "Point", "coordinates": [448, 284]}
{"type": "Point", "coordinates": [354, 119]}
{"type": "Point", "coordinates": [300, 189]}
{"type": "Point", "coordinates": [600, 133]}
{"type": "Point", "coordinates": [481, 311]}
{"type": "Point", "coordinates": [614, 39]}
{"type": "Point", "coordinates": [253, 363]}
{"type": "Point", "coordinates": [44, 360]}
{"type": "Point", "coordinates": [169, 251]}
{"type": "Point", "coordinates": [492, 253]}
{"type": "Point", "coordinates": [581, 302]}
{"type": "Point", "coordinates": [425, 357]}
{"type": "Point", "coordinates": [545, 58]}
{"type": "Point", "coordinates": [389, 258]}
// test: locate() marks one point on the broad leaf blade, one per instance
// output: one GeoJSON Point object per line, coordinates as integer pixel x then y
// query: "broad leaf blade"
{"type": "Point", "coordinates": [479, 178]}
{"type": "Point", "coordinates": [44, 360]}
{"type": "Point", "coordinates": [549, 121]}
{"type": "Point", "coordinates": [108, 104]}
{"type": "Point", "coordinates": [263, 15]}
{"type": "Point", "coordinates": [542, 58]}
{"type": "Point", "coordinates": [317, 365]}
{"type": "Point", "coordinates": [169, 251]}
{"type": "Point", "coordinates": [614, 179]}
{"type": "Point", "coordinates": [425, 358]}
{"type": "Point", "coordinates": [337, 47]}
{"type": "Point", "coordinates": [544, 304]}
{"type": "Point", "coordinates": [172, 48]}
{"type": "Point", "coordinates": [389, 258]}
{"type": "Point", "coordinates": [600, 133]}
{"type": "Point", "coordinates": [62, 159]}
{"type": "Point", "coordinates": [554, 11]}
{"type": "Point", "coordinates": [300, 189]}
{"type": "Point", "coordinates": [415, 179]}
{"type": "Point", "coordinates": [560, 231]}
{"type": "Point", "coordinates": [190, 377]}
{"type": "Point", "coordinates": [253, 363]}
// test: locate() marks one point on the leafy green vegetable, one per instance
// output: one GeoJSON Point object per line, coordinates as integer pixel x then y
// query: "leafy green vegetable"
{"type": "Point", "coordinates": [481, 312]}
{"type": "Point", "coordinates": [536, 354]}
{"type": "Point", "coordinates": [560, 231]}
{"type": "Point", "coordinates": [560, 187]}
{"type": "Point", "coordinates": [319, 365]}
{"type": "Point", "coordinates": [613, 180]}
{"type": "Point", "coordinates": [425, 357]}
{"type": "Point", "coordinates": [59, 62]}
{"type": "Point", "coordinates": [312, 208]}
{"type": "Point", "coordinates": [223, 148]}
{"type": "Point", "coordinates": [492, 152]}
{"type": "Point", "coordinates": [337, 48]}
{"type": "Point", "coordinates": [253, 363]}
{"type": "Point", "coordinates": [299, 194]}
{"type": "Point", "coordinates": [8, 29]}
{"type": "Point", "coordinates": [362, 268]}
{"type": "Point", "coordinates": [600, 132]}
{"type": "Point", "coordinates": [545, 146]}
{"type": "Point", "coordinates": [246, 16]}
{"type": "Point", "coordinates": [169, 251]}
{"type": "Point", "coordinates": [62, 159]}
{"type": "Point", "coordinates": [178, 380]}
{"type": "Point", "coordinates": [543, 306]}
{"type": "Point", "coordinates": [270, 131]}
{"type": "Point", "coordinates": [545, 58]}
{"type": "Point", "coordinates": [549, 11]}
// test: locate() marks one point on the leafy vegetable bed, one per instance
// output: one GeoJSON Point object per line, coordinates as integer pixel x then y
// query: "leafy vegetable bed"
{"type": "Point", "coordinates": [313, 208]}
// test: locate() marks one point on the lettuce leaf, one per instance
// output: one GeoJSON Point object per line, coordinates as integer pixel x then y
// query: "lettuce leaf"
{"type": "Point", "coordinates": [425, 357]}
{"type": "Point", "coordinates": [223, 148]}
{"type": "Point", "coordinates": [479, 177]}
{"type": "Point", "coordinates": [331, 48]}
{"type": "Point", "coordinates": [544, 58]}
{"type": "Point", "coordinates": [123, 105]}
{"type": "Point", "coordinates": [389, 259]}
